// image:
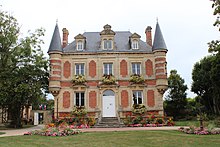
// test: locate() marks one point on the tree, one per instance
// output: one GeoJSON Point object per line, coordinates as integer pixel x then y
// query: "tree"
{"type": "Point", "coordinates": [214, 45]}
{"type": "Point", "coordinates": [23, 68]}
{"type": "Point", "coordinates": [205, 76]}
{"type": "Point", "coordinates": [175, 101]}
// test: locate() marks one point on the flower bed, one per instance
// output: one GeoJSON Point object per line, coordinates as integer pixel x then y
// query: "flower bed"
{"type": "Point", "coordinates": [198, 131]}
{"type": "Point", "coordinates": [136, 78]}
{"type": "Point", "coordinates": [61, 130]}
{"type": "Point", "coordinates": [78, 79]}
{"type": "Point", "coordinates": [147, 121]}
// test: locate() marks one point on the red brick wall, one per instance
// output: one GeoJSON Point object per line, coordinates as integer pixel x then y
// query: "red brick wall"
{"type": "Point", "coordinates": [65, 84]}
{"type": "Point", "coordinates": [150, 98]}
{"type": "Point", "coordinates": [66, 99]}
{"type": "Point", "coordinates": [123, 83]}
{"type": "Point", "coordinates": [92, 69]}
{"type": "Point", "coordinates": [55, 61]}
{"type": "Point", "coordinates": [124, 98]}
{"type": "Point", "coordinates": [123, 68]}
{"type": "Point", "coordinates": [66, 69]}
{"type": "Point", "coordinates": [92, 99]}
{"type": "Point", "coordinates": [160, 59]}
{"type": "Point", "coordinates": [92, 83]}
{"type": "Point", "coordinates": [149, 67]}
{"type": "Point", "coordinates": [151, 82]}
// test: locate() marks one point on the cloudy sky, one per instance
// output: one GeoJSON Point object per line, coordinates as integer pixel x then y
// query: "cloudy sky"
{"type": "Point", "coordinates": [187, 25]}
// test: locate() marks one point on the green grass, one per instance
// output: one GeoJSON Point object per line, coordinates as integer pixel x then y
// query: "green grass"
{"type": "Point", "coordinates": [2, 133]}
{"type": "Point", "coordinates": [187, 123]}
{"type": "Point", "coordinates": [116, 139]}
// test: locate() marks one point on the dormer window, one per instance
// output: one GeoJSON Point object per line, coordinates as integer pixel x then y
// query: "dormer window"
{"type": "Point", "coordinates": [134, 41]}
{"type": "Point", "coordinates": [107, 44]}
{"type": "Point", "coordinates": [107, 38]}
{"type": "Point", "coordinates": [80, 42]}
{"type": "Point", "coordinates": [134, 44]}
{"type": "Point", "coordinates": [79, 45]}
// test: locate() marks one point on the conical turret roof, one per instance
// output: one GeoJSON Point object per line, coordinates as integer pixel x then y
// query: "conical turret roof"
{"type": "Point", "coordinates": [55, 44]}
{"type": "Point", "coordinates": [159, 43]}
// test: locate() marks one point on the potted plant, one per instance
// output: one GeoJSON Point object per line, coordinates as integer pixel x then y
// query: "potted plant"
{"type": "Point", "coordinates": [138, 109]}
{"type": "Point", "coordinates": [136, 78]}
{"type": "Point", "coordinates": [108, 79]}
{"type": "Point", "coordinates": [78, 79]}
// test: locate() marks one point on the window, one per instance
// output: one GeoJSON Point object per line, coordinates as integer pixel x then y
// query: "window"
{"type": "Point", "coordinates": [107, 68]}
{"type": "Point", "coordinates": [137, 97]}
{"type": "Point", "coordinates": [79, 45]}
{"type": "Point", "coordinates": [79, 69]}
{"type": "Point", "coordinates": [80, 99]}
{"type": "Point", "coordinates": [107, 44]}
{"type": "Point", "coordinates": [134, 44]}
{"type": "Point", "coordinates": [136, 68]}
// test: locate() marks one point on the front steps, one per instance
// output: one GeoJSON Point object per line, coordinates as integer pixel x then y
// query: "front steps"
{"type": "Point", "coordinates": [109, 122]}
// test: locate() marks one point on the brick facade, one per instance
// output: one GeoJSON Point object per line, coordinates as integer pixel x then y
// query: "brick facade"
{"type": "Point", "coordinates": [150, 98]}
{"type": "Point", "coordinates": [66, 69]}
{"type": "Point", "coordinates": [124, 98]}
{"type": "Point", "coordinates": [92, 69]}
{"type": "Point", "coordinates": [149, 68]}
{"type": "Point", "coordinates": [123, 68]}
{"type": "Point", "coordinates": [66, 99]}
{"type": "Point", "coordinates": [92, 99]}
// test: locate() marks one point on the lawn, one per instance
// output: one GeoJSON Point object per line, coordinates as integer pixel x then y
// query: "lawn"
{"type": "Point", "coordinates": [116, 139]}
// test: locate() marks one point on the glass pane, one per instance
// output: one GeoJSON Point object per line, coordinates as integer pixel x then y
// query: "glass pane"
{"type": "Point", "coordinates": [82, 99]}
{"type": "Point", "coordinates": [77, 69]}
{"type": "Point", "coordinates": [109, 44]}
{"type": "Point", "coordinates": [138, 68]}
{"type": "Point", "coordinates": [105, 44]}
{"type": "Point", "coordinates": [134, 98]}
{"type": "Point", "coordinates": [82, 69]}
{"type": "Point", "coordinates": [77, 99]}
{"type": "Point", "coordinates": [110, 68]}
{"type": "Point", "coordinates": [133, 68]}
{"type": "Point", "coordinates": [108, 93]}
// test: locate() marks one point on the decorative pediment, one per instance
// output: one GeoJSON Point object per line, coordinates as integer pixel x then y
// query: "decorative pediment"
{"type": "Point", "coordinates": [79, 36]}
{"type": "Point", "coordinates": [135, 35]}
{"type": "Point", "coordinates": [107, 30]}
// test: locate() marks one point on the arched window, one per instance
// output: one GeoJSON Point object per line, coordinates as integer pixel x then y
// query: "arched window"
{"type": "Point", "coordinates": [108, 93]}
{"type": "Point", "coordinates": [79, 45]}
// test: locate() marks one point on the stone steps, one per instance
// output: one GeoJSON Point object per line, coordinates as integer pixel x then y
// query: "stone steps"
{"type": "Point", "coordinates": [109, 122]}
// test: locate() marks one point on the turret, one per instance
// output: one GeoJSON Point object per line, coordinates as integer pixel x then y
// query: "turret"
{"type": "Point", "coordinates": [160, 49]}
{"type": "Point", "coordinates": [55, 51]}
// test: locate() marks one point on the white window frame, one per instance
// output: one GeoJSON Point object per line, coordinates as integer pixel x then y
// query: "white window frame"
{"type": "Point", "coordinates": [80, 69]}
{"type": "Point", "coordinates": [80, 98]}
{"type": "Point", "coordinates": [80, 45]}
{"type": "Point", "coordinates": [136, 64]}
{"type": "Point", "coordinates": [107, 44]}
{"type": "Point", "coordinates": [134, 44]}
{"type": "Point", "coordinates": [108, 68]}
{"type": "Point", "coordinates": [137, 93]}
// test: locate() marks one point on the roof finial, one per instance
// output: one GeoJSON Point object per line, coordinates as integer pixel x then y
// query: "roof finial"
{"type": "Point", "coordinates": [157, 19]}
{"type": "Point", "coordinates": [57, 21]}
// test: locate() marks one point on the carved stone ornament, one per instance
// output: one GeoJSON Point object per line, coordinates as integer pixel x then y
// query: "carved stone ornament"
{"type": "Point", "coordinates": [135, 35]}
{"type": "Point", "coordinates": [107, 30]}
{"type": "Point", "coordinates": [79, 36]}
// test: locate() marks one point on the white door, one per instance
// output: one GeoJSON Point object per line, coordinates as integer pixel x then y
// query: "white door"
{"type": "Point", "coordinates": [36, 118]}
{"type": "Point", "coordinates": [109, 106]}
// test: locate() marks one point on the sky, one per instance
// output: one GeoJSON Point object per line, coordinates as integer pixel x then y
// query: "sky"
{"type": "Point", "coordinates": [187, 25]}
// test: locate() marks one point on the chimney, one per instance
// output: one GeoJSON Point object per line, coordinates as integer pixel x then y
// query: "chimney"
{"type": "Point", "coordinates": [148, 35]}
{"type": "Point", "coordinates": [65, 37]}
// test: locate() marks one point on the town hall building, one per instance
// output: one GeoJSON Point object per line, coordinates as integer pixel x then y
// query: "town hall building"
{"type": "Point", "coordinates": [107, 72]}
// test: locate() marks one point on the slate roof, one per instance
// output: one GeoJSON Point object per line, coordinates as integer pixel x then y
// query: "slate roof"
{"type": "Point", "coordinates": [159, 43]}
{"type": "Point", "coordinates": [121, 38]}
{"type": "Point", "coordinates": [55, 44]}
